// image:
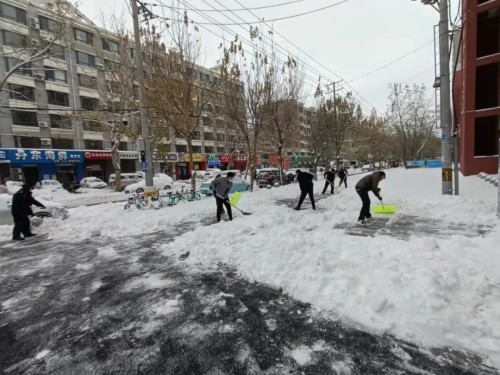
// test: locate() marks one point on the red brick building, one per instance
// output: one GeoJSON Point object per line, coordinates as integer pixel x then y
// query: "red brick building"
{"type": "Point", "coordinates": [477, 87]}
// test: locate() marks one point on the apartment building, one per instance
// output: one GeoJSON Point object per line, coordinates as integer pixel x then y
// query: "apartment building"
{"type": "Point", "coordinates": [48, 106]}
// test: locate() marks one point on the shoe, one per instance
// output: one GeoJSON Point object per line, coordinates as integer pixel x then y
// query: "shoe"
{"type": "Point", "coordinates": [30, 235]}
{"type": "Point", "coordinates": [297, 208]}
{"type": "Point", "coordinates": [368, 219]}
{"type": "Point", "coordinates": [362, 222]}
{"type": "Point", "coordinates": [314, 208]}
{"type": "Point", "coordinates": [18, 239]}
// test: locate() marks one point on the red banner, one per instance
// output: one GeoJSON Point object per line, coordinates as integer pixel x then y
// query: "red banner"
{"type": "Point", "coordinates": [97, 155]}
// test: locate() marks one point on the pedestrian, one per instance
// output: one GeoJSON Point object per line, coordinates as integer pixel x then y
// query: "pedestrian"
{"type": "Point", "coordinates": [366, 184]}
{"type": "Point", "coordinates": [305, 180]}
{"type": "Point", "coordinates": [21, 210]}
{"type": "Point", "coordinates": [330, 180]}
{"type": "Point", "coordinates": [215, 195]}
{"type": "Point", "coordinates": [221, 187]}
{"type": "Point", "coordinates": [343, 176]}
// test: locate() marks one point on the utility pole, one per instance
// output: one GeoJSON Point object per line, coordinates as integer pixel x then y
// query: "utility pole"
{"type": "Point", "coordinates": [498, 179]}
{"type": "Point", "coordinates": [147, 156]}
{"type": "Point", "coordinates": [334, 90]}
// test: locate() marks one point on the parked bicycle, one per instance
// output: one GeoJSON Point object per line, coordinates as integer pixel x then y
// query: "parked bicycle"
{"type": "Point", "coordinates": [136, 200]}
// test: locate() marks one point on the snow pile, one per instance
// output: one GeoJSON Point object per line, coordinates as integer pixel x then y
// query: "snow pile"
{"type": "Point", "coordinates": [430, 290]}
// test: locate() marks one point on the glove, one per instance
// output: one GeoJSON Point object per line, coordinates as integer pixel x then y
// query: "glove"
{"type": "Point", "coordinates": [42, 206]}
{"type": "Point", "coordinates": [380, 199]}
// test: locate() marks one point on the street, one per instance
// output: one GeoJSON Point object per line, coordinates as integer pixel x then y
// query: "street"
{"type": "Point", "coordinates": [126, 306]}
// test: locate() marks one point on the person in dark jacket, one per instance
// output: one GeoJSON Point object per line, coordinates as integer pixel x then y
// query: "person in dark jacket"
{"type": "Point", "coordinates": [21, 210]}
{"type": "Point", "coordinates": [330, 180]}
{"type": "Point", "coordinates": [306, 185]}
{"type": "Point", "coordinates": [343, 176]}
{"type": "Point", "coordinates": [215, 195]}
{"type": "Point", "coordinates": [221, 187]}
{"type": "Point", "coordinates": [366, 184]}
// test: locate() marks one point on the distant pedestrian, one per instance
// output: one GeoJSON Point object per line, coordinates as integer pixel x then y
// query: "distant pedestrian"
{"type": "Point", "coordinates": [221, 187]}
{"type": "Point", "coordinates": [366, 184]}
{"type": "Point", "coordinates": [329, 180]}
{"type": "Point", "coordinates": [343, 176]}
{"type": "Point", "coordinates": [21, 210]}
{"type": "Point", "coordinates": [306, 185]}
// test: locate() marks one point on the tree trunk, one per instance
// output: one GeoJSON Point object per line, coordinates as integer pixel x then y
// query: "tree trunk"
{"type": "Point", "coordinates": [191, 164]}
{"type": "Point", "coordinates": [115, 158]}
{"type": "Point", "coordinates": [280, 161]}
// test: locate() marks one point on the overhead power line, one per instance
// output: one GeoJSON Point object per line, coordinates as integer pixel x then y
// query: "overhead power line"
{"type": "Point", "coordinates": [243, 9]}
{"type": "Point", "coordinates": [392, 62]}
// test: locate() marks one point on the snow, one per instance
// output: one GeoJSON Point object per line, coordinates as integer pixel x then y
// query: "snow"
{"type": "Point", "coordinates": [431, 290]}
{"type": "Point", "coordinates": [42, 354]}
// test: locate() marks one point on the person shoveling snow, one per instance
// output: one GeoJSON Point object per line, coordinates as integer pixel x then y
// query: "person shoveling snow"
{"type": "Point", "coordinates": [366, 184]}
{"type": "Point", "coordinates": [221, 187]}
{"type": "Point", "coordinates": [306, 184]}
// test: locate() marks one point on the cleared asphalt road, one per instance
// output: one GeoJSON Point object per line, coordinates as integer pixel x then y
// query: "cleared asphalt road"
{"type": "Point", "coordinates": [126, 307]}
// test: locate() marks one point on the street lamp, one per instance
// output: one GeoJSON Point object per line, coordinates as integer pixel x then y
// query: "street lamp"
{"type": "Point", "coordinates": [445, 97]}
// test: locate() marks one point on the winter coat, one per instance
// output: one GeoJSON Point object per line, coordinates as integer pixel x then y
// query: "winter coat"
{"type": "Point", "coordinates": [305, 180]}
{"type": "Point", "coordinates": [370, 183]}
{"type": "Point", "coordinates": [343, 173]}
{"type": "Point", "coordinates": [329, 175]}
{"type": "Point", "coordinates": [221, 187]}
{"type": "Point", "coordinates": [22, 202]}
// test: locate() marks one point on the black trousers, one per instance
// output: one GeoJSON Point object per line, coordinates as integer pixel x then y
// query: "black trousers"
{"type": "Point", "coordinates": [365, 209]}
{"type": "Point", "coordinates": [303, 193]}
{"type": "Point", "coordinates": [21, 225]}
{"type": "Point", "coordinates": [328, 183]}
{"type": "Point", "coordinates": [344, 180]}
{"type": "Point", "coordinates": [220, 209]}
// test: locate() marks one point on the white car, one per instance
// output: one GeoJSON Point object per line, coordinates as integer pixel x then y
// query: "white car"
{"type": "Point", "coordinates": [93, 183]}
{"type": "Point", "coordinates": [236, 172]}
{"type": "Point", "coordinates": [52, 185]}
{"type": "Point", "coordinates": [13, 186]}
{"type": "Point", "coordinates": [160, 182]}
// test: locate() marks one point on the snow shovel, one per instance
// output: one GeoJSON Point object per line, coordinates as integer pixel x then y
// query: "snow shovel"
{"type": "Point", "coordinates": [384, 210]}
{"type": "Point", "coordinates": [234, 205]}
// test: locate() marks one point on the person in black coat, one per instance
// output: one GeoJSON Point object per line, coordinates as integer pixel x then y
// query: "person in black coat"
{"type": "Point", "coordinates": [366, 184]}
{"type": "Point", "coordinates": [330, 180]}
{"type": "Point", "coordinates": [21, 210]}
{"type": "Point", "coordinates": [306, 185]}
{"type": "Point", "coordinates": [343, 176]}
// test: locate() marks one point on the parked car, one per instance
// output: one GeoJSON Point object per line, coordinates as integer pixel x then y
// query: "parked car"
{"type": "Point", "coordinates": [366, 168]}
{"type": "Point", "coordinates": [93, 183]}
{"type": "Point", "coordinates": [268, 177]}
{"type": "Point", "coordinates": [211, 173]}
{"type": "Point", "coordinates": [126, 179]}
{"type": "Point", "coordinates": [52, 185]}
{"type": "Point", "coordinates": [161, 181]}
{"type": "Point", "coordinates": [236, 172]}
{"type": "Point", "coordinates": [238, 185]}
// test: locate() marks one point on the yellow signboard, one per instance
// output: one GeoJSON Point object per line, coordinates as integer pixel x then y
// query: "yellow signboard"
{"type": "Point", "coordinates": [447, 175]}
{"type": "Point", "coordinates": [197, 158]}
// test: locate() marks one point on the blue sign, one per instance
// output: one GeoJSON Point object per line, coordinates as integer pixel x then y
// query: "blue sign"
{"type": "Point", "coordinates": [144, 166]}
{"type": "Point", "coordinates": [443, 137]}
{"type": "Point", "coordinates": [29, 156]}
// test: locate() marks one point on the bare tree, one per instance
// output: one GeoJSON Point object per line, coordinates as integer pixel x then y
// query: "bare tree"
{"type": "Point", "coordinates": [412, 118]}
{"type": "Point", "coordinates": [178, 91]}
{"type": "Point", "coordinates": [319, 134]}
{"type": "Point", "coordinates": [23, 50]}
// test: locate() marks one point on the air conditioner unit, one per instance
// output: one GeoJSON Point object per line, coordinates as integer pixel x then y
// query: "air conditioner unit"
{"type": "Point", "coordinates": [35, 43]}
{"type": "Point", "coordinates": [34, 23]}
{"type": "Point", "coordinates": [47, 142]}
{"type": "Point", "coordinates": [100, 66]}
{"type": "Point", "coordinates": [39, 77]}
{"type": "Point", "coordinates": [43, 124]}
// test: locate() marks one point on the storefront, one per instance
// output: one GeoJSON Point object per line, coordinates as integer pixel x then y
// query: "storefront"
{"type": "Point", "coordinates": [183, 171]}
{"type": "Point", "coordinates": [66, 166]}
{"type": "Point", "coordinates": [99, 163]}
{"type": "Point", "coordinates": [129, 161]}
{"type": "Point", "coordinates": [236, 161]}
{"type": "Point", "coordinates": [213, 161]}
{"type": "Point", "coordinates": [169, 164]}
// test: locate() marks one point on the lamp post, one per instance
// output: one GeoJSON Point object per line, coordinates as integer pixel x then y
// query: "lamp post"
{"type": "Point", "coordinates": [445, 99]}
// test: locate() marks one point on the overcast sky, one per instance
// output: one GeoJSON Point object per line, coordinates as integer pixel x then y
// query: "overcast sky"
{"type": "Point", "coordinates": [348, 40]}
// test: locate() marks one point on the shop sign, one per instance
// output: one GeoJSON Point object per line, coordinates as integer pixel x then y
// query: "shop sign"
{"type": "Point", "coordinates": [226, 158]}
{"type": "Point", "coordinates": [240, 157]}
{"type": "Point", "coordinates": [213, 158]}
{"type": "Point", "coordinates": [129, 155]}
{"type": "Point", "coordinates": [25, 156]}
{"type": "Point", "coordinates": [97, 155]}
{"type": "Point", "coordinates": [197, 158]}
{"type": "Point", "coordinates": [172, 157]}
{"type": "Point", "coordinates": [3, 157]}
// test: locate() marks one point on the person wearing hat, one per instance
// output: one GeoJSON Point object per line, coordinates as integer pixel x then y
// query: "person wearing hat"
{"type": "Point", "coordinates": [306, 185]}
{"type": "Point", "coordinates": [366, 184]}
{"type": "Point", "coordinates": [329, 180]}
{"type": "Point", "coordinates": [221, 187]}
{"type": "Point", "coordinates": [21, 210]}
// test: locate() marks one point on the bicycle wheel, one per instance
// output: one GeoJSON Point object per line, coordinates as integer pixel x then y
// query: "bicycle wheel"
{"type": "Point", "coordinates": [196, 196]}
{"type": "Point", "coordinates": [127, 206]}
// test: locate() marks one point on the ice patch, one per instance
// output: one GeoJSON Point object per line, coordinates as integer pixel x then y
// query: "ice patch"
{"type": "Point", "coordinates": [147, 282]}
{"type": "Point", "coordinates": [107, 252]}
{"type": "Point", "coordinates": [166, 307]}
{"type": "Point", "coordinates": [42, 354]}
{"type": "Point", "coordinates": [342, 368]}
{"type": "Point", "coordinates": [84, 266]}
{"type": "Point", "coordinates": [301, 355]}
{"type": "Point", "coordinates": [96, 285]}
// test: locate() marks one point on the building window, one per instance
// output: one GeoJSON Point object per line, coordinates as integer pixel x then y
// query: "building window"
{"type": "Point", "coordinates": [208, 136]}
{"type": "Point", "coordinates": [29, 142]}
{"type": "Point", "coordinates": [91, 144]}
{"type": "Point", "coordinates": [85, 59]}
{"type": "Point", "coordinates": [14, 39]}
{"type": "Point", "coordinates": [61, 122]}
{"type": "Point", "coordinates": [25, 70]}
{"type": "Point", "coordinates": [87, 81]}
{"type": "Point", "coordinates": [24, 118]}
{"type": "Point", "coordinates": [221, 150]}
{"type": "Point", "coordinates": [89, 103]}
{"type": "Point", "coordinates": [197, 149]}
{"type": "Point", "coordinates": [109, 45]}
{"type": "Point", "coordinates": [131, 53]}
{"type": "Point", "coordinates": [49, 25]}
{"type": "Point", "coordinates": [13, 13]}
{"type": "Point", "coordinates": [486, 133]}
{"type": "Point", "coordinates": [196, 135]}
{"type": "Point", "coordinates": [92, 126]}
{"type": "Point", "coordinates": [84, 37]}
{"type": "Point", "coordinates": [123, 146]}
{"type": "Point", "coordinates": [62, 144]}
{"type": "Point", "coordinates": [181, 148]}
{"type": "Point", "coordinates": [58, 98]}
{"type": "Point", "coordinates": [209, 149]}
{"type": "Point", "coordinates": [19, 92]}
{"type": "Point", "coordinates": [57, 52]}
{"type": "Point", "coordinates": [55, 75]}
{"type": "Point", "coordinates": [207, 121]}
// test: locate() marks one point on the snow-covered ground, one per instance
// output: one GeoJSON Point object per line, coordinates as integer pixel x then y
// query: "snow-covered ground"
{"type": "Point", "coordinates": [430, 290]}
